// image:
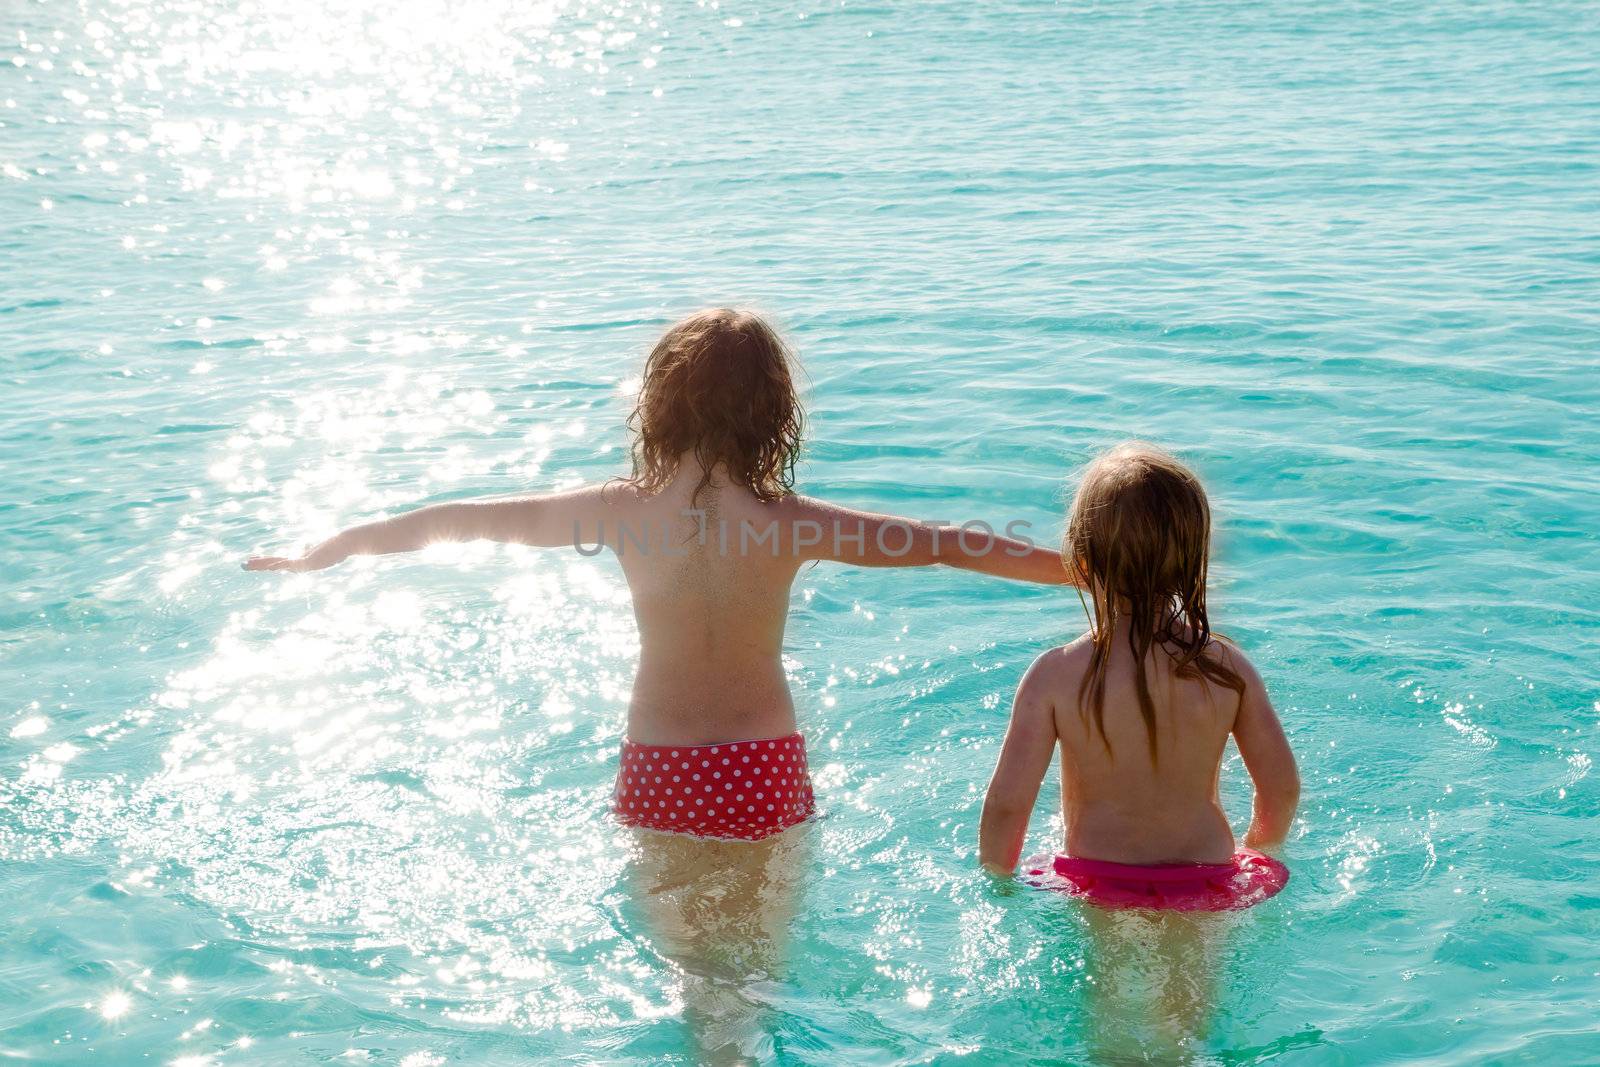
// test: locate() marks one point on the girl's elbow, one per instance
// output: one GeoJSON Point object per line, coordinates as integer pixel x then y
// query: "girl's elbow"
{"type": "Point", "coordinates": [1000, 810]}
{"type": "Point", "coordinates": [1006, 812]}
{"type": "Point", "coordinates": [1291, 789]}
{"type": "Point", "coordinates": [1281, 801]}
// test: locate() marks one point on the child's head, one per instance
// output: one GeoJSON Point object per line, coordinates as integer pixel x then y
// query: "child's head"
{"type": "Point", "coordinates": [1140, 530]}
{"type": "Point", "coordinates": [1139, 537]}
{"type": "Point", "coordinates": [718, 388]}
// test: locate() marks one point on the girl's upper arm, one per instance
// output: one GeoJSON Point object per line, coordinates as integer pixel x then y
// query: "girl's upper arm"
{"type": "Point", "coordinates": [1024, 759]}
{"type": "Point", "coordinates": [572, 518]}
{"type": "Point", "coordinates": [816, 529]}
{"type": "Point", "coordinates": [1259, 734]}
{"type": "Point", "coordinates": [1029, 744]}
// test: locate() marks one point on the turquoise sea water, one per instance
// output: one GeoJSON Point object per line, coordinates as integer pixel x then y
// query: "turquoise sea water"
{"type": "Point", "coordinates": [269, 268]}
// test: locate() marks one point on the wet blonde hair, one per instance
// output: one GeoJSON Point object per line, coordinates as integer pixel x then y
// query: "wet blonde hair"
{"type": "Point", "coordinates": [1139, 536]}
{"type": "Point", "coordinates": [718, 386]}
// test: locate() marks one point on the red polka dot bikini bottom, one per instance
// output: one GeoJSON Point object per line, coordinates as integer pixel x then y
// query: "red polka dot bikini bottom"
{"type": "Point", "coordinates": [743, 790]}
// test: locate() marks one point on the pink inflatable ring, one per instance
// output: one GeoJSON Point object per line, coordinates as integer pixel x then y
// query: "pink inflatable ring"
{"type": "Point", "coordinates": [1249, 879]}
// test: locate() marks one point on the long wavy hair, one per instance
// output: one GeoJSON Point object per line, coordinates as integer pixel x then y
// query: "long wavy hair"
{"type": "Point", "coordinates": [1139, 537]}
{"type": "Point", "coordinates": [719, 386]}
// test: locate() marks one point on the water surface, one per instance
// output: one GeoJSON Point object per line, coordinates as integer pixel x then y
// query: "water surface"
{"type": "Point", "coordinates": [270, 268]}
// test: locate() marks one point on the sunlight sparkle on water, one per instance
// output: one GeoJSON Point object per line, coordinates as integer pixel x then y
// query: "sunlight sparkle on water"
{"type": "Point", "coordinates": [115, 1005]}
{"type": "Point", "coordinates": [30, 727]}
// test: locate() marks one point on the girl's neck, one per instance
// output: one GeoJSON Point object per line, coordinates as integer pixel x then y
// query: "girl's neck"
{"type": "Point", "coordinates": [1119, 629]}
{"type": "Point", "coordinates": [689, 468]}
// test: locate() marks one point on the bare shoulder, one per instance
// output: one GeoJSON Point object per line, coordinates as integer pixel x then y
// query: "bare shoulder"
{"type": "Point", "coordinates": [1057, 670]}
{"type": "Point", "coordinates": [614, 500]}
{"type": "Point", "coordinates": [1232, 657]}
{"type": "Point", "coordinates": [1070, 661]}
{"type": "Point", "coordinates": [614, 493]}
{"type": "Point", "coordinates": [586, 505]}
{"type": "Point", "coordinates": [795, 507]}
{"type": "Point", "coordinates": [791, 514]}
{"type": "Point", "coordinates": [816, 529]}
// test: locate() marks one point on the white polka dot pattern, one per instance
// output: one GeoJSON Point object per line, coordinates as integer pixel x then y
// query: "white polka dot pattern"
{"type": "Point", "coordinates": [744, 790]}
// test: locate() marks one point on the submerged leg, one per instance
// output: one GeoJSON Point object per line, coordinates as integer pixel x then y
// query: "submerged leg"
{"type": "Point", "coordinates": [1154, 982]}
{"type": "Point", "coordinates": [720, 911]}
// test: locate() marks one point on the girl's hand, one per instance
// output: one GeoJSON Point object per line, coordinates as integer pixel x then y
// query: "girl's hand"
{"type": "Point", "coordinates": [334, 550]}
{"type": "Point", "coordinates": [1263, 840]}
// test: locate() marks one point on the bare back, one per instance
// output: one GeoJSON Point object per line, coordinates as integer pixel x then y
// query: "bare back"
{"type": "Point", "coordinates": [1118, 803]}
{"type": "Point", "coordinates": [710, 616]}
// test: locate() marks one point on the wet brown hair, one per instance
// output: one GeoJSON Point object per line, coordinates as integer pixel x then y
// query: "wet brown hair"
{"type": "Point", "coordinates": [718, 386]}
{"type": "Point", "coordinates": [1139, 536]}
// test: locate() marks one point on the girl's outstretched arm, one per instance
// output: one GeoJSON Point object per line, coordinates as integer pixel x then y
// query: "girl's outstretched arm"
{"type": "Point", "coordinates": [549, 520]}
{"type": "Point", "coordinates": [1024, 759]}
{"type": "Point", "coordinates": [866, 539]}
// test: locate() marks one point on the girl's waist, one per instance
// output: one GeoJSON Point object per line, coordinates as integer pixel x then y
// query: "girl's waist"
{"type": "Point", "coordinates": [711, 716]}
{"type": "Point", "coordinates": [1206, 839]}
{"type": "Point", "coordinates": [664, 749]}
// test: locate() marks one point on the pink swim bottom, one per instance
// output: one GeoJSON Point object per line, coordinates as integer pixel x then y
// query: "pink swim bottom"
{"type": "Point", "coordinates": [743, 790]}
{"type": "Point", "coordinates": [1248, 879]}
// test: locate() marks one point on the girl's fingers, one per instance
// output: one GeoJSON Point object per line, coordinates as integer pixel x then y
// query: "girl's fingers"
{"type": "Point", "coordinates": [312, 562]}
{"type": "Point", "coordinates": [268, 563]}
